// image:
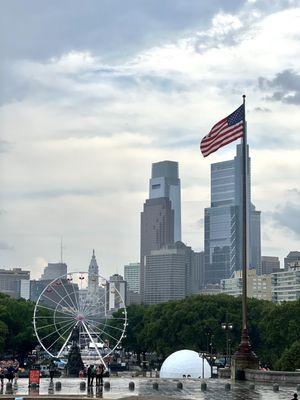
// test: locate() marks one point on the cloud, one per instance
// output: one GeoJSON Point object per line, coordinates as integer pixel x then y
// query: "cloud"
{"type": "Point", "coordinates": [288, 214]}
{"type": "Point", "coordinates": [5, 246]}
{"type": "Point", "coordinates": [5, 146]}
{"type": "Point", "coordinates": [285, 87]}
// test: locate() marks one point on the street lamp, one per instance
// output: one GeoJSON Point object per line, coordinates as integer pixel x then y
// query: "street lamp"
{"type": "Point", "coordinates": [227, 327]}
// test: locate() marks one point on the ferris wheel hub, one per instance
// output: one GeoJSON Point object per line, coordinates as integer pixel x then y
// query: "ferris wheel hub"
{"type": "Point", "coordinates": [80, 317]}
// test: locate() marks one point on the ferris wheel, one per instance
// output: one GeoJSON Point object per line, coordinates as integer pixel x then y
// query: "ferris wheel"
{"type": "Point", "coordinates": [84, 308]}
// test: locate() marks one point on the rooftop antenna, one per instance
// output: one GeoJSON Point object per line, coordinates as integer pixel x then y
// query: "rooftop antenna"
{"type": "Point", "coordinates": [61, 250]}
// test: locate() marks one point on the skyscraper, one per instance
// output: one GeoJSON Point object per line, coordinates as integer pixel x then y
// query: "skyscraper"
{"type": "Point", "coordinates": [222, 222]}
{"type": "Point", "coordinates": [157, 229]}
{"type": "Point", "coordinates": [161, 216]}
{"type": "Point", "coordinates": [165, 182]}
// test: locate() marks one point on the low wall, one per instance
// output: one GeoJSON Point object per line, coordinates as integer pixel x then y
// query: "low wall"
{"type": "Point", "coordinates": [272, 376]}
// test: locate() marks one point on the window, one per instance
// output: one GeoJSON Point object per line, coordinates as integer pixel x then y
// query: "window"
{"type": "Point", "coordinates": [156, 186]}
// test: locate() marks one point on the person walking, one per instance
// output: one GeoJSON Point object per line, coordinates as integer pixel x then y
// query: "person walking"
{"type": "Point", "coordinates": [89, 374]}
{"type": "Point", "coordinates": [52, 369]}
{"type": "Point", "coordinates": [295, 397]}
{"type": "Point", "coordinates": [99, 375]}
{"type": "Point", "coordinates": [2, 374]}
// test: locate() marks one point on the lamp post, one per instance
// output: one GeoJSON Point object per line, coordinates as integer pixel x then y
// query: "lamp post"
{"type": "Point", "coordinates": [227, 327]}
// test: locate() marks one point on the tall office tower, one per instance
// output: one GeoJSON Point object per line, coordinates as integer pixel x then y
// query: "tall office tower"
{"type": "Point", "coordinates": [197, 272]}
{"type": "Point", "coordinates": [115, 301]}
{"type": "Point", "coordinates": [53, 271]}
{"type": "Point", "coordinates": [132, 277]}
{"type": "Point", "coordinates": [157, 229]}
{"type": "Point", "coordinates": [93, 281]}
{"type": "Point", "coordinates": [269, 265]}
{"type": "Point", "coordinates": [165, 182]}
{"type": "Point", "coordinates": [223, 222]}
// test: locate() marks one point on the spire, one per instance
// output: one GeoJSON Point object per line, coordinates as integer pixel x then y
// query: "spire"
{"type": "Point", "coordinates": [93, 253]}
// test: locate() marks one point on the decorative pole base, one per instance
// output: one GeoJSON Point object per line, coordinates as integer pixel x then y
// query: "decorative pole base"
{"type": "Point", "coordinates": [243, 359]}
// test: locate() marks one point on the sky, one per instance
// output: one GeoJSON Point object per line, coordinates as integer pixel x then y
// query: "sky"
{"type": "Point", "coordinates": [92, 93]}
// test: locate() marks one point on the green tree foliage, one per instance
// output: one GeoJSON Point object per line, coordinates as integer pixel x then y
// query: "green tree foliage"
{"type": "Point", "coordinates": [16, 329]}
{"type": "Point", "coordinates": [290, 359]}
{"type": "Point", "coordinates": [195, 322]}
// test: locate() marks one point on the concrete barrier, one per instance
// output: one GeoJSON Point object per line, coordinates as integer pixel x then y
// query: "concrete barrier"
{"type": "Point", "coordinates": [179, 385]}
{"type": "Point", "coordinates": [131, 385]}
{"type": "Point", "coordinates": [9, 388]}
{"type": "Point", "coordinates": [58, 385]}
{"type": "Point", "coordinates": [203, 386]}
{"type": "Point", "coordinates": [155, 385]}
{"type": "Point", "coordinates": [298, 388]}
{"type": "Point", "coordinates": [227, 386]}
{"type": "Point", "coordinates": [272, 376]}
{"type": "Point", "coordinates": [82, 385]}
{"type": "Point", "coordinates": [251, 386]}
{"type": "Point", "coordinates": [275, 387]}
{"type": "Point", "coordinates": [107, 385]}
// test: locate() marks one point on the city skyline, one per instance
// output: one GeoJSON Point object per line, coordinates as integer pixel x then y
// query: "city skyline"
{"type": "Point", "coordinates": [82, 121]}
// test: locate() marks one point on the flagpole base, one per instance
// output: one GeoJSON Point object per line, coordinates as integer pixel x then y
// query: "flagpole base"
{"type": "Point", "coordinates": [243, 359]}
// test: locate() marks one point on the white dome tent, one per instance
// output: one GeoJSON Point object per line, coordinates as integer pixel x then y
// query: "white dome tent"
{"type": "Point", "coordinates": [185, 364]}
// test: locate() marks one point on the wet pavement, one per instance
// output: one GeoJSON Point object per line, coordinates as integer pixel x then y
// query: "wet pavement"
{"type": "Point", "coordinates": [119, 387]}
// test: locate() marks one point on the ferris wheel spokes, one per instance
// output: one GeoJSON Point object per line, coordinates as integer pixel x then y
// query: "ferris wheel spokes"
{"type": "Point", "coordinates": [95, 345]}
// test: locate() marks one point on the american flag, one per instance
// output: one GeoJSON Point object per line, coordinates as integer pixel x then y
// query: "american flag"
{"type": "Point", "coordinates": [223, 132]}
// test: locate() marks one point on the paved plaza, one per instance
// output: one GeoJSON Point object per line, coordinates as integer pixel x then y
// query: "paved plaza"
{"type": "Point", "coordinates": [166, 389]}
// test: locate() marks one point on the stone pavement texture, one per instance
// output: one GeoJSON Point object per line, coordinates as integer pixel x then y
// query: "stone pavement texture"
{"type": "Point", "coordinates": [167, 390]}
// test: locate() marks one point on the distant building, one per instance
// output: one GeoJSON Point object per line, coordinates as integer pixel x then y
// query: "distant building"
{"type": "Point", "coordinates": [258, 286]}
{"type": "Point", "coordinates": [132, 277]}
{"type": "Point", "coordinates": [292, 258]}
{"type": "Point", "coordinates": [165, 182]}
{"type": "Point", "coordinates": [157, 229]}
{"type": "Point", "coordinates": [54, 270]}
{"type": "Point", "coordinates": [116, 281]}
{"type": "Point", "coordinates": [133, 298]}
{"type": "Point", "coordinates": [286, 285]}
{"type": "Point", "coordinates": [166, 274]}
{"type": "Point", "coordinates": [211, 289]}
{"type": "Point", "coordinates": [197, 283]}
{"type": "Point", "coordinates": [10, 281]}
{"type": "Point", "coordinates": [269, 264]}
{"type": "Point", "coordinates": [93, 280]}
{"type": "Point", "coordinates": [63, 289]}
{"type": "Point", "coordinates": [223, 223]}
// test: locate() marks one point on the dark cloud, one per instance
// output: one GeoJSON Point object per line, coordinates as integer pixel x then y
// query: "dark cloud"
{"type": "Point", "coordinates": [34, 29]}
{"type": "Point", "coordinates": [288, 214]}
{"type": "Point", "coordinates": [262, 109]}
{"type": "Point", "coordinates": [285, 87]}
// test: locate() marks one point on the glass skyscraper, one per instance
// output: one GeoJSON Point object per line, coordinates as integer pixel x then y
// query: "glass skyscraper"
{"type": "Point", "coordinates": [223, 222]}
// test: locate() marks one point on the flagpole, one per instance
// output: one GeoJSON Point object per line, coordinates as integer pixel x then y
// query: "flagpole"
{"type": "Point", "coordinates": [245, 217]}
{"type": "Point", "coordinates": [244, 358]}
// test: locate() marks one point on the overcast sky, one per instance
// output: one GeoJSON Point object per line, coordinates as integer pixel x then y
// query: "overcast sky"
{"type": "Point", "coordinates": [92, 92]}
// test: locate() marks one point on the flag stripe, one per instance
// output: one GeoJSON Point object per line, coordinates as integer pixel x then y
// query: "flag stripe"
{"type": "Point", "coordinates": [236, 135]}
{"type": "Point", "coordinates": [224, 132]}
{"type": "Point", "coordinates": [223, 143]}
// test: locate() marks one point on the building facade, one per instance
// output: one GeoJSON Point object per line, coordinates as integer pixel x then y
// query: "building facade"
{"type": "Point", "coordinates": [165, 275]}
{"type": "Point", "coordinates": [258, 286]}
{"type": "Point", "coordinates": [132, 277]}
{"type": "Point", "coordinates": [157, 229]}
{"type": "Point", "coordinates": [54, 270]}
{"type": "Point", "coordinates": [11, 281]}
{"type": "Point", "coordinates": [223, 223]}
{"type": "Point", "coordinates": [117, 281]}
{"type": "Point", "coordinates": [270, 264]}
{"type": "Point", "coordinates": [292, 258]}
{"type": "Point", "coordinates": [286, 285]}
{"type": "Point", "coordinates": [165, 182]}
